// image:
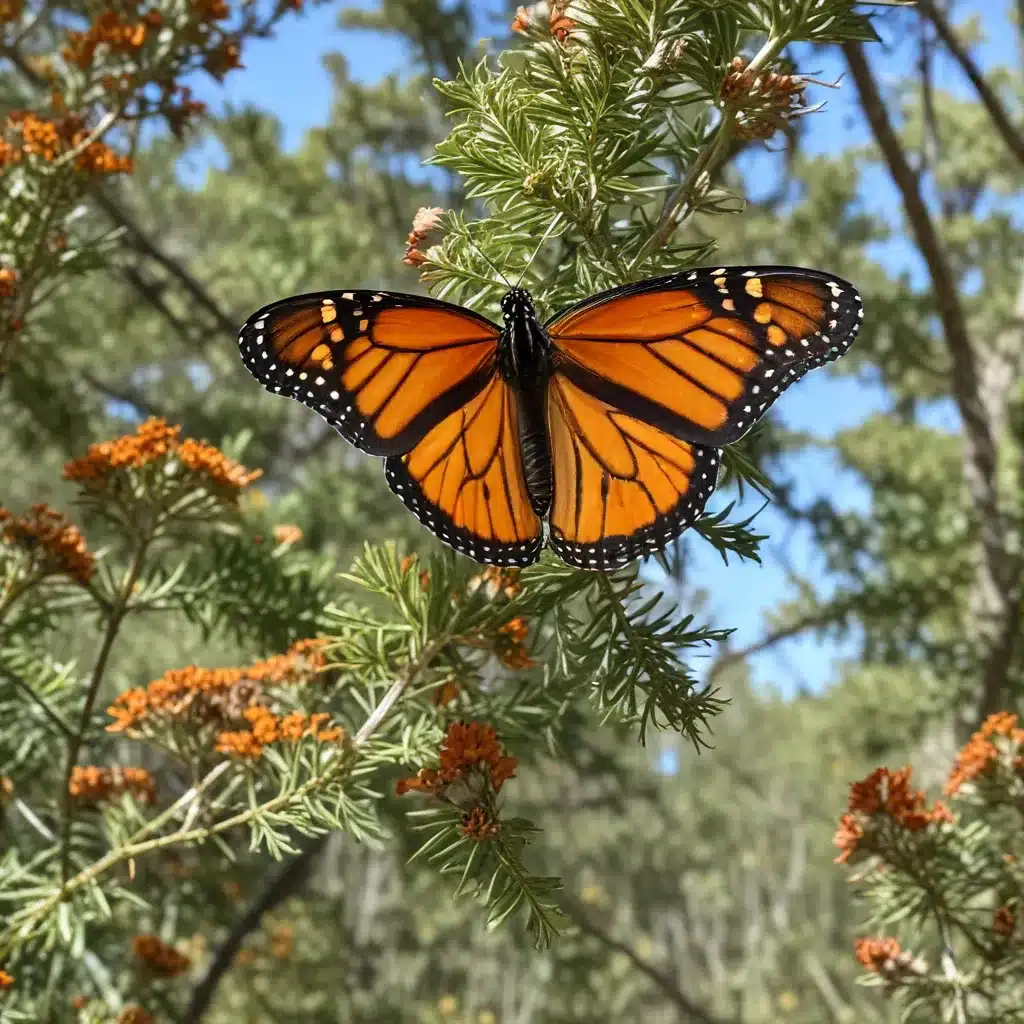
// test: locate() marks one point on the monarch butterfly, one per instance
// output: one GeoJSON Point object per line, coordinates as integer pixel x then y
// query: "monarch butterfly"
{"type": "Point", "coordinates": [606, 421]}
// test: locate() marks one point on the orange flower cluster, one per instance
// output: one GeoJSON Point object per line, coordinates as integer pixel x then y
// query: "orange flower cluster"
{"type": "Point", "coordinates": [154, 440]}
{"type": "Point", "coordinates": [111, 31]}
{"type": "Point", "coordinates": [48, 140]}
{"type": "Point", "coordinates": [160, 958]}
{"type": "Point", "coordinates": [559, 23]}
{"type": "Point", "coordinates": [8, 277]}
{"type": "Point", "coordinates": [877, 954]}
{"type": "Point", "coordinates": [999, 735]}
{"type": "Point", "coordinates": [467, 746]}
{"type": "Point", "coordinates": [282, 939]}
{"type": "Point", "coordinates": [266, 728]}
{"type": "Point", "coordinates": [427, 219]}
{"type": "Point", "coordinates": [6, 980]}
{"type": "Point", "coordinates": [93, 784]}
{"type": "Point", "coordinates": [286, 533]}
{"type": "Point", "coordinates": [135, 1015]}
{"type": "Point", "coordinates": [446, 692]}
{"type": "Point", "coordinates": [479, 825]}
{"type": "Point", "coordinates": [509, 644]}
{"type": "Point", "coordinates": [1005, 921]}
{"type": "Point", "coordinates": [215, 694]}
{"type": "Point", "coordinates": [56, 543]}
{"type": "Point", "coordinates": [890, 794]}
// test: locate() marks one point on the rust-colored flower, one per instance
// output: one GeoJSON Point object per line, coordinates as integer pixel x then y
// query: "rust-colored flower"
{"type": "Point", "coordinates": [848, 837]}
{"type": "Point", "coordinates": [6, 789]}
{"type": "Point", "coordinates": [509, 644]}
{"type": "Point", "coordinates": [445, 693]}
{"type": "Point", "coordinates": [135, 1015]}
{"type": "Point", "coordinates": [479, 825]}
{"type": "Point", "coordinates": [521, 22]}
{"type": "Point", "coordinates": [282, 939]}
{"type": "Point", "coordinates": [267, 728]}
{"type": "Point", "coordinates": [6, 980]}
{"type": "Point", "coordinates": [93, 784]}
{"type": "Point", "coordinates": [559, 22]}
{"type": "Point", "coordinates": [1004, 923]}
{"type": "Point", "coordinates": [55, 544]}
{"type": "Point", "coordinates": [287, 533]}
{"type": "Point", "coordinates": [467, 746]}
{"type": "Point", "coordinates": [226, 57]}
{"type": "Point", "coordinates": [217, 695]}
{"type": "Point", "coordinates": [999, 735]}
{"type": "Point", "coordinates": [877, 954]}
{"type": "Point", "coordinates": [79, 1002]}
{"type": "Point", "coordinates": [158, 957]}
{"type": "Point", "coordinates": [152, 441]}
{"type": "Point", "coordinates": [8, 276]}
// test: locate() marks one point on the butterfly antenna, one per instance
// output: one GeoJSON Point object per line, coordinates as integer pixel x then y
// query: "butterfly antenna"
{"type": "Point", "coordinates": [486, 260]}
{"type": "Point", "coordinates": [547, 235]}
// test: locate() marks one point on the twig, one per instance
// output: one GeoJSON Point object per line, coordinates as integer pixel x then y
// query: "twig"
{"type": "Point", "coordinates": [117, 613]}
{"type": "Point", "coordinates": [688, 1009]}
{"type": "Point", "coordinates": [1011, 135]}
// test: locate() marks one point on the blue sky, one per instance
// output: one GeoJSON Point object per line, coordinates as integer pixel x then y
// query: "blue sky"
{"type": "Point", "coordinates": [285, 76]}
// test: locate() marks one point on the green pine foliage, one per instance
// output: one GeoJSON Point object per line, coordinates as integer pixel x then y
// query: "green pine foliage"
{"type": "Point", "coordinates": [236, 848]}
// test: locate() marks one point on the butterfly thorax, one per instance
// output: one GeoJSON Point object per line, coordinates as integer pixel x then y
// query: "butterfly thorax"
{"type": "Point", "coordinates": [524, 360]}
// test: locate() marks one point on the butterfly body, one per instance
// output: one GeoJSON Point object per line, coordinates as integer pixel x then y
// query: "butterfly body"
{"type": "Point", "coordinates": [597, 432]}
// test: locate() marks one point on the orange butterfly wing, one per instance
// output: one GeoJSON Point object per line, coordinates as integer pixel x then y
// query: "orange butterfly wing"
{"type": "Point", "coordinates": [382, 368]}
{"type": "Point", "coordinates": [704, 354]}
{"type": "Point", "coordinates": [465, 481]}
{"type": "Point", "coordinates": [621, 487]}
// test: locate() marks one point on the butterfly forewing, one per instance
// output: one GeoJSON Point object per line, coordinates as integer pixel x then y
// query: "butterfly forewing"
{"type": "Point", "coordinates": [466, 483]}
{"type": "Point", "coordinates": [704, 354]}
{"type": "Point", "coordinates": [382, 368]}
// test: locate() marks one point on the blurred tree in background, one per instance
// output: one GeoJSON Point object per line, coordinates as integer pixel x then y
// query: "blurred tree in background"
{"type": "Point", "coordinates": [704, 894]}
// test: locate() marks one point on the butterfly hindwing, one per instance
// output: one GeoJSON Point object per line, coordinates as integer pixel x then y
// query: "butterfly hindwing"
{"type": "Point", "coordinates": [382, 368]}
{"type": "Point", "coordinates": [465, 481]}
{"type": "Point", "coordinates": [622, 488]}
{"type": "Point", "coordinates": [703, 354]}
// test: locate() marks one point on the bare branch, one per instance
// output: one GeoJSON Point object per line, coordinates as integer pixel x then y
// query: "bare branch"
{"type": "Point", "coordinates": [1011, 134]}
{"type": "Point", "coordinates": [999, 570]}
{"type": "Point", "coordinates": [687, 1009]}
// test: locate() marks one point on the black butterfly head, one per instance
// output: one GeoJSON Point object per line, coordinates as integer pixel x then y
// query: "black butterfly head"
{"type": "Point", "coordinates": [517, 303]}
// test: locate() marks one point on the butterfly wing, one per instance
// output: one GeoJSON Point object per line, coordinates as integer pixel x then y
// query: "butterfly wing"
{"type": "Point", "coordinates": [704, 354]}
{"type": "Point", "coordinates": [382, 368]}
{"type": "Point", "coordinates": [622, 488]}
{"type": "Point", "coordinates": [466, 482]}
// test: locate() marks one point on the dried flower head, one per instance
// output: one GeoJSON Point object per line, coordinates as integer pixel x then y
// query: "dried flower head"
{"type": "Point", "coordinates": [427, 220]}
{"type": "Point", "coordinates": [282, 939]}
{"type": "Point", "coordinates": [1004, 923]}
{"type": "Point", "coordinates": [445, 693]}
{"type": "Point", "coordinates": [93, 784]}
{"type": "Point", "coordinates": [6, 789]}
{"type": "Point", "coordinates": [509, 644]}
{"type": "Point", "coordinates": [521, 22]}
{"type": "Point", "coordinates": [495, 580]}
{"type": "Point", "coordinates": [158, 957]}
{"type": "Point", "coordinates": [999, 741]}
{"type": "Point", "coordinates": [135, 1015]}
{"type": "Point", "coordinates": [467, 747]}
{"type": "Point", "coordinates": [55, 545]}
{"type": "Point", "coordinates": [479, 825]}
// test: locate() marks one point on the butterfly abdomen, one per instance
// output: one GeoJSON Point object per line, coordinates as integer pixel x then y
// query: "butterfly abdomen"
{"type": "Point", "coordinates": [536, 448]}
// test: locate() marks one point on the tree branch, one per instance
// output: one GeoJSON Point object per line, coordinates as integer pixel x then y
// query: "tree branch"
{"type": "Point", "coordinates": [999, 570]}
{"type": "Point", "coordinates": [286, 881]}
{"type": "Point", "coordinates": [687, 1009]}
{"type": "Point", "coordinates": [1011, 134]}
